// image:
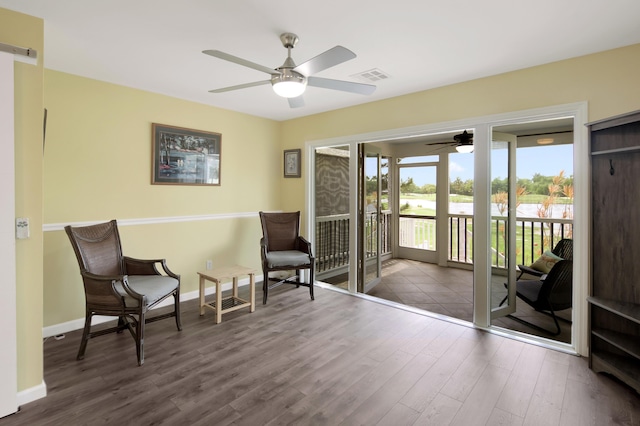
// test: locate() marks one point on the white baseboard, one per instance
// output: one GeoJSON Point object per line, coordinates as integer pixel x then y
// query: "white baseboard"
{"type": "Point", "coordinates": [77, 324]}
{"type": "Point", "coordinates": [29, 395]}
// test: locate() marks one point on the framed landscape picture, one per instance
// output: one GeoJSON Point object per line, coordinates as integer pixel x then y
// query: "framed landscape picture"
{"type": "Point", "coordinates": [184, 156]}
{"type": "Point", "coordinates": [292, 163]}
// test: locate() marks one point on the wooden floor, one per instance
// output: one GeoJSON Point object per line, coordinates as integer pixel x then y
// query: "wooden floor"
{"type": "Point", "coordinates": [449, 291]}
{"type": "Point", "coordinates": [338, 360]}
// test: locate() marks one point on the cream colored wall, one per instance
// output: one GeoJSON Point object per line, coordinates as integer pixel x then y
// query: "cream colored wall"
{"type": "Point", "coordinates": [98, 167]}
{"type": "Point", "coordinates": [97, 164]}
{"type": "Point", "coordinates": [98, 154]}
{"type": "Point", "coordinates": [607, 80]}
{"type": "Point", "coordinates": [25, 31]}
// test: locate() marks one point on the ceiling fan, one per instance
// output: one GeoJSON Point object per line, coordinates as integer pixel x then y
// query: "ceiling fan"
{"type": "Point", "coordinates": [463, 142]}
{"type": "Point", "coordinates": [290, 80]}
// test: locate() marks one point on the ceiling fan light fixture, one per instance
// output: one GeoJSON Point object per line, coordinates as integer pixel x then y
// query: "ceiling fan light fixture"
{"type": "Point", "coordinates": [289, 89]}
{"type": "Point", "coordinates": [545, 141]}
{"type": "Point", "coordinates": [464, 149]}
{"type": "Point", "coordinates": [289, 84]}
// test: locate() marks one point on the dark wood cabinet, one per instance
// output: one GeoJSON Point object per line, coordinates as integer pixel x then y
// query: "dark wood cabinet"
{"type": "Point", "coordinates": [614, 302]}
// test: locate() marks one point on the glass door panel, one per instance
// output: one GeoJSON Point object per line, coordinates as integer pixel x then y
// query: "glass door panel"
{"type": "Point", "coordinates": [370, 189]}
{"type": "Point", "coordinates": [417, 236]}
{"type": "Point", "coordinates": [460, 226]}
{"type": "Point", "coordinates": [503, 225]}
{"type": "Point", "coordinates": [332, 210]}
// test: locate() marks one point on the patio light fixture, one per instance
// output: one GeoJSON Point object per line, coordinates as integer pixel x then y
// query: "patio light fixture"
{"type": "Point", "coordinates": [464, 149]}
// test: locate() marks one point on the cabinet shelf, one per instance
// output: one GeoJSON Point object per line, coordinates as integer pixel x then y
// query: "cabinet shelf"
{"type": "Point", "coordinates": [624, 342]}
{"type": "Point", "coordinates": [630, 311]}
{"type": "Point", "coordinates": [617, 151]}
{"type": "Point", "coordinates": [620, 367]}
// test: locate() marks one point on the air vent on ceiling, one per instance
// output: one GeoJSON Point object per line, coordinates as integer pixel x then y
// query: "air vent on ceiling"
{"type": "Point", "coordinates": [371, 75]}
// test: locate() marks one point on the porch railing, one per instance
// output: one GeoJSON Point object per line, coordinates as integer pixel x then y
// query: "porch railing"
{"type": "Point", "coordinates": [533, 237]}
{"type": "Point", "coordinates": [417, 231]}
{"type": "Point", "coordinates": [332, 243]}
{"type": "Point", "coordinates": [332, 240]}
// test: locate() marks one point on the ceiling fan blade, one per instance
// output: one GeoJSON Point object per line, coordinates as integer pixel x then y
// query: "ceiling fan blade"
{"type": "Point", "coordinates": [328, 59]}
{"type": "Point", "coordinates": [345, 86]}
{"type": "Point", "coordinates": [441, 148]}
{"type": "Point", "coordinates": [443, 143]}
{"type": "Point", "coordinates": [240, 86]}
{"type": "Point", "coordinates": [296, 102]}
{"type": "Point", "coordinates": [240, 61]}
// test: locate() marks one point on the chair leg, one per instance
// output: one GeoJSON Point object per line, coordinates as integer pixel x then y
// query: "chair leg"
{"type": "Point", "coordinates": [176, 302]}
{"type": "Point", "coordinates": [507, 296]}
{"type": "Point", "coordinates": [555, 320]}
{"type": "Point", "coordinates": [265, 286]}
{"type": "Point", "coordinates": [311, 279]}
{"type": "Point", "coordinates": [122, 324]}
{"type": "Point", "coordinates": [140, 339]}
{"type": "Point", "coordinates": [85, 336]}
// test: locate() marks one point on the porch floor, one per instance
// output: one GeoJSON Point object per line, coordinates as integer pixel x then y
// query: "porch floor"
{"type": "Point", "coordinates": [449, 291]}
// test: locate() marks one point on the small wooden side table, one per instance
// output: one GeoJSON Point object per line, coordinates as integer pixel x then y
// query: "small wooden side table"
{"type": "Point", "coordinates": [231, 303]}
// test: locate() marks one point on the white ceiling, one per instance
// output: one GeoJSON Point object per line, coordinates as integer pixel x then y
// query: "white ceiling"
{"type": "Point", "coordinates": [156, 45]}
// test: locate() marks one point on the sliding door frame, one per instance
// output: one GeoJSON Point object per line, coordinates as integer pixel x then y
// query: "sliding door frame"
{"type": "Point", "coordinates": [482, 206]}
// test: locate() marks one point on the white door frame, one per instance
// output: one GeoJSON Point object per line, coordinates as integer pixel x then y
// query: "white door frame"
{"type": "Point", "coordinates": [510, 307]}
{"type": "Point", "coordinates": [438, 256]}
{"type": "Point", "coordinates": [8, 332]}
{"type": "Point", "coordinates": [482, 206]}
{"type": "Point", "coordinates": [366, 286]}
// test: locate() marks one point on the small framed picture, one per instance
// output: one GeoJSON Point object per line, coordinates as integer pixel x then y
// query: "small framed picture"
{"type": "Point", "coordinates": [292, 163]}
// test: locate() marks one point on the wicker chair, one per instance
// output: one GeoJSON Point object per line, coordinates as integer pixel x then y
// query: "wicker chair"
{"type": "Point", "coordinates": [120, 286]}
{"type": "Point", "coordinates": [283, 249]}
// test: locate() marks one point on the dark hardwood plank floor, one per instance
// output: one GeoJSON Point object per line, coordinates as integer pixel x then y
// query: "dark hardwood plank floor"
{"type": "Point", "coordinates": [449, 292]}
{"type": "Point", "coordinates": [338, 360]}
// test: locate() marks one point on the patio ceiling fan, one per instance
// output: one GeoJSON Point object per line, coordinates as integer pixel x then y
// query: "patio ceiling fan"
{"type": "Point", "coordinates": [290, 80]}
{"type": "Point", "coordinates": [463, 142]}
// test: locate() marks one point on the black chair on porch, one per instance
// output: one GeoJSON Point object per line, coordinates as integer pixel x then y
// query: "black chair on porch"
{"type": "Point", "coordinates": [552, 293]}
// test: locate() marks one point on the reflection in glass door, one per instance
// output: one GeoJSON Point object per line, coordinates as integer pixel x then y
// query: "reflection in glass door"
{"type": "Point", "coordinates": [332, 210]}
{"type": "Point", "coordinates": [503, 225]}
{"type": "Point", "coordinates": [369, 226]}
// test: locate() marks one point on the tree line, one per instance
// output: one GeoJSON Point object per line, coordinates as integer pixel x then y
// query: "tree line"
{"type": "Point", "coordinates": [538, 184]}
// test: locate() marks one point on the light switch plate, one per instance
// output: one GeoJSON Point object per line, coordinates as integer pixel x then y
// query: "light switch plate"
{"type": "Point", "coordinates": [22, 228]}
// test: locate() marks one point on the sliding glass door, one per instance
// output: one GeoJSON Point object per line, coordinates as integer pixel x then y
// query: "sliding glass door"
{"type": "Point", "coordinates": [369, 226]}
{"type": "Point", "coordinates": [503, 225]}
